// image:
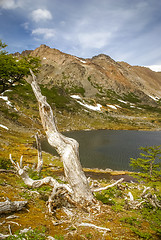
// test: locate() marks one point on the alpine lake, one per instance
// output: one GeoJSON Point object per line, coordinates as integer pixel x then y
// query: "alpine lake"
{"type": "Point", "coordinates": [109, 149]}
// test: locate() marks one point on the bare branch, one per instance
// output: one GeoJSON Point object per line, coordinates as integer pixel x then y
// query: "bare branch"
{"type": "Point", "coordinates": [94, 226]}
{"type": "Point", "coordinates": [38, 183]}
{"type": "Point", "coordinates": [108, 186]}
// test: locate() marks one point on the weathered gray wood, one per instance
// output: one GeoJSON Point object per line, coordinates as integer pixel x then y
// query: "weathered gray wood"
{"type": "Point", "coordinates": [4, 236]}
{"type": "Point", "coordinates": [67, 148]}
{"type": "Point", "coordinates": [22, 171]}
{"type": "Point", "coordinates": [144, 198]}
{"type": "Point", "coordinates": [8, 206]}
{"type": "Point", "coordinates": [94, 226]}
{"type": "Point", "coordinates": [108, 186]}
{"type": "Point", "coordinates": [40, 159]}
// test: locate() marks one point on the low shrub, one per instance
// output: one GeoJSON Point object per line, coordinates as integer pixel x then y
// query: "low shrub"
{"type": "Point", "coordinates": [5, 163]}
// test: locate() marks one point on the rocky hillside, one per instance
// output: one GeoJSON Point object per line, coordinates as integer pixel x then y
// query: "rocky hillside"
{"type": "Point", "coordinates": [96, 75]}
{"type": "Point", "coordinates": [115, 89]}
{"type": "Point", "coordinates": [91, 93]}
{"type": "Point", "coordinates": [94, 93]}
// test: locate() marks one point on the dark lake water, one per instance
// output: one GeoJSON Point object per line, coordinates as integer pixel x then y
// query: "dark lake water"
{"type": "Point", "coordinates": [110, 148]}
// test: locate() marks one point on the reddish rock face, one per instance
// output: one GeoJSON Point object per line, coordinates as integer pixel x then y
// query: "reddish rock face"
{"type": "Point", "coordinates": [99, 72]}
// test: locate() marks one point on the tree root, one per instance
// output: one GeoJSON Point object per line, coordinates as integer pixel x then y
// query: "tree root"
{"type": "Point", "coordinates": [145, 198]}
{"type": "Point", "coordinates": [61, 195]}
{"type": "Point", "coordinates": [58, 189]}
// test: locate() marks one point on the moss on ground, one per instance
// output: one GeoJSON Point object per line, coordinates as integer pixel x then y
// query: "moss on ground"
{"type": "Point", "coordinates": [124, 224]}
{"type": "Point", "coordinates": [18, 140]}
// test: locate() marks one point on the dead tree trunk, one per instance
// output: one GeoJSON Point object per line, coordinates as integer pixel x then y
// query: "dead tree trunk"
{"type": "Point", "coordinates": [22, 171]}
{"type": "Point", "coordinates": [67, 148]}
{"type": "Point", "coordinates": [8, 206]}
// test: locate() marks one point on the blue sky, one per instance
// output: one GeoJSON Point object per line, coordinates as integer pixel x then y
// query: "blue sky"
{"type": "Point", "coordinates": [126, 30]}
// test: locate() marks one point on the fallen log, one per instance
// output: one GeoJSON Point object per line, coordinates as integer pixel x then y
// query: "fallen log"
{"type": "Point", "coordinates": [8, 206]}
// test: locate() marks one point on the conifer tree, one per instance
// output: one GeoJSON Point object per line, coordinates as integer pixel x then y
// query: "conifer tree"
{"type": "Point", "coordinates": [149, 164]}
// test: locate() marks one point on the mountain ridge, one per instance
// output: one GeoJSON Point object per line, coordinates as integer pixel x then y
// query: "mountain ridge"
{"type": "Point", "coordinates": [101, 69]}
{"type": "Point", "coordinates": [84, 94]}
{"type": "Point", "coordinates": [91, 93]}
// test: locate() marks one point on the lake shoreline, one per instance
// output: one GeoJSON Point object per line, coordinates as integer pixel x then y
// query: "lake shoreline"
{"type": "Point", "coordinates": [108, 174]}
{"type": "Point", "coordinates": [98, 174]}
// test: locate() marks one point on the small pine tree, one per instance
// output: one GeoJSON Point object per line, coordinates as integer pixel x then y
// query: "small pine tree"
{"type": "Point", "coordinates": [148, 165]}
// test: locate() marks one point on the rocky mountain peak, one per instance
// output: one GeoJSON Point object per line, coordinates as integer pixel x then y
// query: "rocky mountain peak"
{"type": "Point", "coordinates": [99, 92]}
{"type": "Point", "coordinates": [102, 57]}
{"type": "Point", "coordinates": [99, 72]}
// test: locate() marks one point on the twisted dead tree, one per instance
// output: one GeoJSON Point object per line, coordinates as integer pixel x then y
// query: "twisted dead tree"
{"type": "Point", "coordinates": [77, 192]}
{"type": "Point", "coordinates": [67, 148]}
{"type": "Point", "coordinates": [23, 173]}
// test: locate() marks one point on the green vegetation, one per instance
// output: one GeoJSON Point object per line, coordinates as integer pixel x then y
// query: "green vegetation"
{"type": "Point", "coordinates": [13, 69]}
{"type": "Point", "coordinates": [112, 94]}
{"type": "Point", "coordinates": [2, 47]}
{"type": "Point", "coordinates": [141, 234]}
{"type": "Point", "coordinates": [153, 216]}
{"type": "Point", "coordinates": [109, 196]}
{"type": "Point", "coordinates": [148, 164]}
{"type": "Point", "coordinates": [149, 108]}
{"type": "Point", "coordinates": [95, 85]}
{"type": "Point", "coordinates": [144, 222]}
{"type": "Point", "coordinates": [56, 96]}
{"type": "Point", "coordinates": [131, 97]}
{"type": "Point", "coordinates": [12, 115]}
{"type": "Point", "coordinates": [34, 174]}
{"type": "Point", "coordinates": [89, 236]}
{"type": "Point", "coordinates": [59, 237]}
{"type": "Point", "coordinates": [32, 234]}
{"type": "Point", "coordinates": [5, 163]}
{"type": "Point", "coordinates": [76, 90]}
{"type": "Point", "coordinates": [133, 221]}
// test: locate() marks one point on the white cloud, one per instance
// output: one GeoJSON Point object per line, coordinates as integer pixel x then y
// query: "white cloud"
{"type": "Point", "coordinates": [155, 68]}
{"type": "Point", "coordinates": [125, 30]}
{"type": "Point", "coordinates": [8, 4]}
{"type": "Point", "coordinates": [45, 32]}
{"type": "Point", "coordinates": [94, 39]}
{"type": "Point", "coordinates": [41, 15]}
